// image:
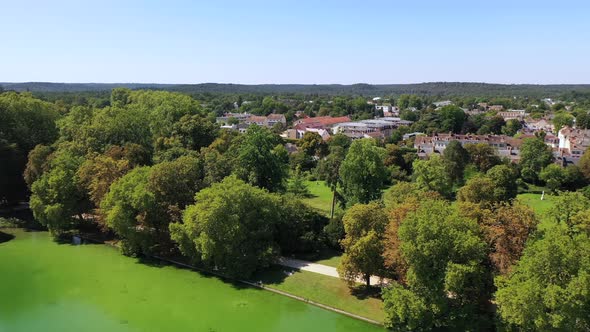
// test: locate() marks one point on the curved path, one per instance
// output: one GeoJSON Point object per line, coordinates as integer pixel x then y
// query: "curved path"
{"type": "Point", "coordinates": [319, 268]}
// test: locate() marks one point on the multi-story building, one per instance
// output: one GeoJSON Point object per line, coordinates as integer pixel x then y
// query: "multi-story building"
{"type": "Point", "coordinates": [572, 144]}
{"type": "Point", "coordinates": [374, 128]}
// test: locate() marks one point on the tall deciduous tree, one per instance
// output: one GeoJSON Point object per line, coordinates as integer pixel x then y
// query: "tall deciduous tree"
{"type": "Point", "coordinates": [455, 158]}
{"type": "Point", "coordinates": [230, 227]}
{"type": "Point", "coordinates": [483, 156]}
{"type": "Point", "coordinates": [534, 156]}
{"type": "Point", "coordinates": [260, 159]}
{"type": "Point", "coordinates": [506, 228]}
{"type": "Point", "coordinates": [37, 163]}
{"type": "Point", "coordinates": [445, 280]}
{"type": "Point", "coordinates": [131, 210]}
{"type": "Point", "coordinates": [452, 118]}
{"type": "Point", "coordinates": [432, 175]}
{"type": "Point", "coordinates": [312, 144]}
{"type": "Point", "coordinates": [549, 288]}
{"type": "Point", "coordinates": [364, 225]}
{"type": "Point", "coordinates": [57, 201]}
{"type": "Point", "coordinates": [362, 172]}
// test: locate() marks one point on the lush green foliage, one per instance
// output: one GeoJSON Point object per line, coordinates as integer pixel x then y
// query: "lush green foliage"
{"type": "Point", "coordinates": [230, 228]}
{"type": "Point", "coordinates": [445, 272]}
{"type": "Point", "coordinates": [362, 172]}
{"type": "Point", "coordinates": [549, 287]}
{"type": "Point", "coordinates": [364, 225]}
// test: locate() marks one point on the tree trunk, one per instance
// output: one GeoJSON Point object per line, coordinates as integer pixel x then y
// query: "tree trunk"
{"type": "Point", "coordinates": [368, 279]}
{"type": "Point", "coordinates": [333, 203]}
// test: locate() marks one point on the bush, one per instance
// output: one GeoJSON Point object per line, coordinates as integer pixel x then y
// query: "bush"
{"type": "Point", "coordinates": [11, 222]}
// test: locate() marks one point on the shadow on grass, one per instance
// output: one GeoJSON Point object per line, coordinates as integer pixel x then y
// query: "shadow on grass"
{"type": "Point", "coordinates": [363, 292]}
{"type": "Point", "coordinates": [273, 275]}
{"type": "Point", "coordinates": [324, 254]}
{"type": "Point", "coordinates": [5, 237]}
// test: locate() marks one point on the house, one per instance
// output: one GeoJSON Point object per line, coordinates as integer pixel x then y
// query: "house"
{"type": "Point", "coordinates": [538, 125]}
{"type": "Point", "coordinates": [505, 146]}
{"type": "Point", "coordinates": [387, 110]}
{"type": "Point", "coordinates": [256, 119]}
{"type": "Point", "coordinates": [513, 115]}
{"type": "Point", "coordinates": [323, 122]}
{"type": "Point", "coordinates": [239, 117]}
{"type": "Point", "coordinates": [299, 133]}
{"type": "Point", "coordinates": [442, 103]}
{"type": "Point", "coordinates": [410, 135]}
{"type": "Point", "coordinates": [497, 108]}
{"type": "Point", "coordinates": [273, 119]}
{"type": "Point", "coordinates": [572, 144]}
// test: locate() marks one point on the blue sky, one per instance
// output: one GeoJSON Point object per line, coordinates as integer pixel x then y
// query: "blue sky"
{"type": "Point", "coordinates": [317, 41]}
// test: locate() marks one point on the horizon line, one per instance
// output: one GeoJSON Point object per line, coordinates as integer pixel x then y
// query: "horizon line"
{"type": "Point", "coordinates": [258, 84]}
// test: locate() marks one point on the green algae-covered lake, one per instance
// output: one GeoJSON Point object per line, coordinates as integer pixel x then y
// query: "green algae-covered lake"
{"type": "Point", "coordinates": [45, 286]}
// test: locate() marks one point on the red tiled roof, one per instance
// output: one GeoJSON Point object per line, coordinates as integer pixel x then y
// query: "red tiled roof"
{"type": "Point", "coordinates": [324, 120]}
{"type": "Point", "coordinates": [275, 117]}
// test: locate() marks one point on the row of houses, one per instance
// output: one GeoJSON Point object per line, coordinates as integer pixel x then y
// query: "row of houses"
{"type": "Point", "coordinates": [505, 146]}
{"type": "Point", "coordinates": [568, 146]}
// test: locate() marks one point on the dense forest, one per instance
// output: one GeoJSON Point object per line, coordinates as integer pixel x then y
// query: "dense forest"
{"type": "Point", "coordinates": [440, 89]}
{"type": "Point", "coordinates": [154, 172]}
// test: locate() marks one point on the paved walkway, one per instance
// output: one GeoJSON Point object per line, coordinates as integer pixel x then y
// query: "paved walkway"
{"type": "Point", "coordinates": [318, 268]}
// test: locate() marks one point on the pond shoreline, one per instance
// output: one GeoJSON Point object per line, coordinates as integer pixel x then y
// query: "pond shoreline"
{"type": "Point", "coordinates": [249, 283]}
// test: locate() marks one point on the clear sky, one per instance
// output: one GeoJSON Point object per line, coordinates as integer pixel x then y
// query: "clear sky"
{"type": "Point", "coordinates": [302, 41]}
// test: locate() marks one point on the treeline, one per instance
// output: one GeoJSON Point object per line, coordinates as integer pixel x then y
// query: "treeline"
{"type": "Point", "coordinates": [439, 89]}
{"type": "Point", "coordinates": [154, 169]}
{"type": "Point", "coordinates": [460, 251]}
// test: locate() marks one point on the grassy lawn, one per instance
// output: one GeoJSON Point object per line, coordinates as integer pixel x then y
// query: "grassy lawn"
{"type": "Point", "coordinates": [322, 289]}
{"type": "Point", "coordinates": [321, 196]}
{"type": "Point", "coordinates": [539, 206]}
{"type": "Point", "coordinates": [326, 256]}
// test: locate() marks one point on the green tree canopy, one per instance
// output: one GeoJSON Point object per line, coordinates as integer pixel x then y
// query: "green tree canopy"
{"type": "Point", "coordinates": [362, 172]}
{"type": "Point", "coordinates": [455, 158]}
{"type": "Point", "coordinates": [230, 227]}
{"type": "Point", "coordinates": [549, 288]}
{"type": "Point", "coordinates": [431, 175]}
{"type": "Point", "coordinates": [364, 226]}
{"type": "Point", "coordinates": [445, 280]}
{"type": "Point", "coordinates": [57, 200]}
{"type": "Point", "coordinates": [451, 118]}
{"type": "Point", "coordinates": [534, 156]}
{"type": "Point", "coordinates": [482, 155]}
{"type": "Point", "coordinates": [260, 159]}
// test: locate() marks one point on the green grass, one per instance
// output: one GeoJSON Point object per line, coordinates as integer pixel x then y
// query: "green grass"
{"type": "Point", "coordinates": [326, 256]}
{"type": "Point", "coordinates": [534, 201]}
{"type": "Point", "coordinates": [323, 289]}
{"type": "Point", "coordinates": [320, 196]}
{"type": "Point", "coordinates": [541, 207]}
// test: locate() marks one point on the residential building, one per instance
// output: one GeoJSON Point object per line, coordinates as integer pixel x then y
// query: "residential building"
{"type": "Point", "coordinates": [505, 146]}
{"type": "Point", "coordinates": [538, 125]}
{"type": "Point", "coordinates": [442, 103]}
{"type": "Point", "coordinates": [513, 115]}
{"type": "Point", "coordinates": [374, 128]}
{"type": "Point", "coordinates": [323, 122]}
{"type": "Point", "coordinates": [572, 144]}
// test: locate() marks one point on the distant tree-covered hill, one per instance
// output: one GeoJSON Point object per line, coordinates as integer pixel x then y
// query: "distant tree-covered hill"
{"type": "Point", "coordinates": [429, 89]}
